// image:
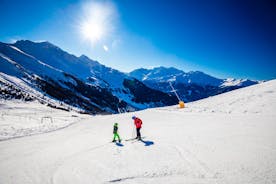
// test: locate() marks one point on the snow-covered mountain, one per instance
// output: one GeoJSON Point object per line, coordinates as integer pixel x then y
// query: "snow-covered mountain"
{"type": "Point", "coordinates": [77, 81]}
{"type": "Point", "coordinates": [228, 138]}
{"type": "Point", "coordinates": [191, 86]}
{"type": "Point", "coordinates": [163, 74]}
{"type": "Point", "coordinates": [86, 84]}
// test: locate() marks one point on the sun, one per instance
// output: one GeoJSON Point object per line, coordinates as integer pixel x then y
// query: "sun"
{"type": "Point", "coordinates": [96, 21]}
{"type": "Point", "coordinates": [92, 32]}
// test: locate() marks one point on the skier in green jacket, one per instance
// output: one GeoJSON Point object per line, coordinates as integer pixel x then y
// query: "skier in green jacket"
{"type": "Point", "coordinates": [115, 133]}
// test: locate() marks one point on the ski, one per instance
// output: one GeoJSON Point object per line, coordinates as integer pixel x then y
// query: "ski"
{"type": "Point", "coordinates": [136, 140]}
{"type": "Point", "coordinates": [132, 139]}
{"type": "Point", "coordinates": [115, 141]}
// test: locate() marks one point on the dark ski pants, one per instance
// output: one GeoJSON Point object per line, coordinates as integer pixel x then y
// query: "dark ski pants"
{"type": "Point", "coordinates": [138, 132]}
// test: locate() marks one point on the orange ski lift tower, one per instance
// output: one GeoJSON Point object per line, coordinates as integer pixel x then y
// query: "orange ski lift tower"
{"type": "Point", "coordinates": [180, 102]}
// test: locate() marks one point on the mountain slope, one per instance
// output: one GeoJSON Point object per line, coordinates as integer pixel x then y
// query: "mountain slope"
{"type": "Point", "coordinates": [77, 81]}
{"type": "Point", "coordinates": [163, 74]}
{"type": "Point", "coordinates": [189, 145]}
{"type": "Point", "coordinates": [190, 86]}
{"type": "Point", "coordinates": [255, 99]}
{"type": "Point", "coordinates": [54, 82]}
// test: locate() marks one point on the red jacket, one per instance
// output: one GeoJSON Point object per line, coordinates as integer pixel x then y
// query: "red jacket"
{"type": "Point", "coordinates": [138, 122]}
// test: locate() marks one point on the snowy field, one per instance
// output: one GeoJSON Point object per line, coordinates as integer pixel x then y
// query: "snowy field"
{"type": "Point", "coordinates": [226, 139]}
{"type": "Point", "coordinates": [18, 119]}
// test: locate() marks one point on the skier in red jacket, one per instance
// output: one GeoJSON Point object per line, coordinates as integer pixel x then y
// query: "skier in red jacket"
{"type": "Point", "coordinates": [138, 124]}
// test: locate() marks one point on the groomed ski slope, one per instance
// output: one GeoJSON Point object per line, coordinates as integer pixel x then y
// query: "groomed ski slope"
{"type": "Point", "coordinates": [226, 139]}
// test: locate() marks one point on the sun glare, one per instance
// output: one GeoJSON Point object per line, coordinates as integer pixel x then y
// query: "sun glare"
{"type": "Point", "coordinates": [96, 21]}
{"type": "Point", "coordinates": [92, 32]}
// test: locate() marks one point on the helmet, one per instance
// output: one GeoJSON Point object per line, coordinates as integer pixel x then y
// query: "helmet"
{"type": "Point", "coordinates": [115, 124]}
{"type": "Point", "coordinates": [133, 117]}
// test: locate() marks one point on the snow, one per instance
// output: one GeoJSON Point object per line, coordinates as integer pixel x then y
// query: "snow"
{"type": "Point", "coordinates": [27, 88]}
{"type": "Point", "coordinates": [238, 82]}
{"type": "Point", "coordinates": [26, 64]}
{"type": "Point", "coordinates": [28, 55]}
{"type": "Point", "coordinates": [37, 119]}
{"type": "Point", "coordinates": [163, 74]}
{"type": "Point", "coordinates": [255, 99]}
{"type": "Point", "coordinates": [24, 86]}
{"type": "Point", "coordinates": [224, 139]}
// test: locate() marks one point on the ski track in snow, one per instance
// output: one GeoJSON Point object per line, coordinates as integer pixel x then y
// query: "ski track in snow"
{"type": "Point", "coordinates": [208, 142]}
{"type": "Point", "coordinates": [201, 170]}
{"type": "Point", "coordinates": [71, 158]}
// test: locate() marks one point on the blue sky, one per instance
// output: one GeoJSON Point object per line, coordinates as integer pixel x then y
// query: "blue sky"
{"type": "Point", "coordinates": [226, 38]}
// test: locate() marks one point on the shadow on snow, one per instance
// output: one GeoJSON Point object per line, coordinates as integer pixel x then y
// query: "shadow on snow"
{"type": "Point", "coordinates": [147, 143]}
{"type": "Point", "coordinates": [119, 144]}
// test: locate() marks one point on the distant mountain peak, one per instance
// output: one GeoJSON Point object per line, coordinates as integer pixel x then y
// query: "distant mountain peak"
{"type": "Point", "coordinates": [44, 44]}
{"type": "Point", "coordinates": [84, 57]}
{"type": "Point", "coordinates": [166, 74]}
{"type": "Point", "coordinates": [87, 59]}
{"type": "Point", "coordinates": [196, 72]}
{"type": "Point", "coordinates": [23, 41]}
{"type": "Point", "coordinates": [166, 69]}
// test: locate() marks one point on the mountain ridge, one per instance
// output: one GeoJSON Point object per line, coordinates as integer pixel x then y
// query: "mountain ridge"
{"type": "Point", "coordinates": [191, 86]}
{"type": "Point", "coordinates": [85, 83]}
{"type": "Point", "coordinates": [77, 81]}
{"type": "Point", "coordinates": [168, 74]}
